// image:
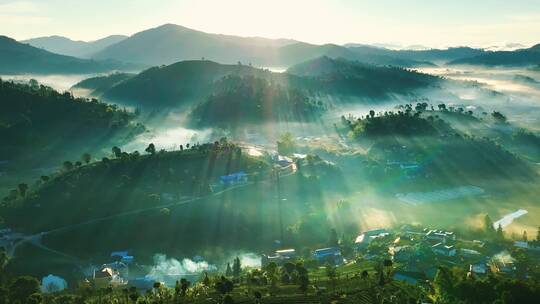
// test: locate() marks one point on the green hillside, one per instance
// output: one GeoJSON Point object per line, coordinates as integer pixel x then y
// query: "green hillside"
{"type": "Point", "coordinates": [37, 120]}
{"type": "Point", "coordinates": [100, 84]}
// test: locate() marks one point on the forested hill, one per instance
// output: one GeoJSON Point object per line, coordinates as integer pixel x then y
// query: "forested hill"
{"type": "Point", "coordinates": [521, 57]}
{"type": "Point", "coordinates": [175, 84]}
{"type": "Point", "coordinates": [345, 77]}
{"type": "Point", "coordinates": [238, 100]}
{"type": "Point", "coordinates": [188, 82]}
{"type": "Point", "coordinates": [39, 122]}
{"type": "Point", "coordinates": [16, 58]}
{"type": "Point", "coordinates": [100, 84]}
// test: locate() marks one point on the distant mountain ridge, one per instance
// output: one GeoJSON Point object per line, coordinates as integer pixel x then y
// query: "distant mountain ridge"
{"type": "Point", "coordinates": [171, 43]}
{"type": "Point", "coordinates": [521, 57]}
{"type": "Point", "coordinates": [65, 46]}
{"type": "Point", "coordinates": [17, 58]}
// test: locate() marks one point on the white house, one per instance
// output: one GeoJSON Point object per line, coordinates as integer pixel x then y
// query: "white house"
{"type": "Point", "coordinates": [365, 238]}
{"type": "Point", "coordinates": [443, 249]}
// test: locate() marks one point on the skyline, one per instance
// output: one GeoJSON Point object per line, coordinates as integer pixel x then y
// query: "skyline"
{"type": "Point", "coordinates": [480, 24]}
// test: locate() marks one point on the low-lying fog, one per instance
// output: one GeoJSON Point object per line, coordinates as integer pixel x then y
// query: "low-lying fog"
{"type": "Point", "coordinates": [514, 91]}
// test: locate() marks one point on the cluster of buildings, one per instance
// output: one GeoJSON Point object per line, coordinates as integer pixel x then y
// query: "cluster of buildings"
{"type": "Point", "coordinates": [323, 256]}
{"type": "Point", "coordinates": [416, 254]}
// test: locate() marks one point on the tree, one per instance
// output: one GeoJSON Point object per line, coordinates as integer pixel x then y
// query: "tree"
{"type": "Point", "coordinates": [525, 236]}
{"type": "Point", "coordinates": [538, 235]}
{"type": "Point", "coordinates": [500, 233]}
{"type": "Point", "coordinates": [332, 274]}
{"type": "Point", "coordinates": [286, 144]}
{"type": "Point", "coordinates": [86, 158]}
{"type": "Point", "coordinates": [499, 117]}
{"type": "Point", "coordinates": [117, 152]}
{"type": "Point", "coordinates": [289, 267]}
{"type": "Point", "coordinates": [443, 283]}
{"type": "Point", "coordinates": [4, 259]}
{"type": "Point", "coordinates": [224, 285]}
{"type": "Point", "coordinates": [333, 241]}
{"type": "Point", "coordinates": [22, 189]}
{"type": "Point", "coordinates": [184, 284]}
{"type": "Point", "coordinates": [206, 280]}
{"type": "Point", "coordinates": [4, 292]}
{"type": "Point", "coordinates": [237, 268]}
{"type": "Point", "coordinates": [371, 113]}
{"type": "Point", "coordinates": [151, 149]}
{"type": "Point", "coordinates": [303, 277]}
{"type": "Point", "coordinates": [67, 165]}
{"type": "Point", "coordinates": [228, 271]}
{"type": "Point", "coordinates": [21, 289]}
{"type": "Point", "coordinates": [228, 300]}
{"type": "Point", "coordinates": [488, 224]}
{"type": "Point", "coordinates": [364, 274]}
{"type": "Point", "coordinates": [35, 298]}
{"type": "Point", "coordinates": [442, 107]}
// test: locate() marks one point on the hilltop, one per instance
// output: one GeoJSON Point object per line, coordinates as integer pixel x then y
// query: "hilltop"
{"type": "Point", "coordinates": [17, 58]}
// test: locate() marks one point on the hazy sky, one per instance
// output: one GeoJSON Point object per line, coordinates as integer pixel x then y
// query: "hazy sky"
{"type": "Point", "coordinates": [406, 22]}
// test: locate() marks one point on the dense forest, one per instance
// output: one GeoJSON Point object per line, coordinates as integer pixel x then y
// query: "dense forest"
{"type": "Point", "coordinates": [237, 101]}
{"type": "Point", "coordinates": [37, 120]}
{"type": "Point", "coordinates": [420, 136]}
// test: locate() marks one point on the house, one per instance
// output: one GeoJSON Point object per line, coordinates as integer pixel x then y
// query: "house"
{"type": "Point", "coordinates": [445, 250]}
{"type": "Point", "coordinates": [532, 246]}
{"type": "Point", "coordinates": [469, 252]}
{"type": "Point", "coordinates": [330, 255]}
{"type": "Point", "coordinates": [479, 268]}
{"type": "Point", "coordinates": [503, 263]}
{"type": "Point", "coordinates": [365, 238]}
{"type": "Point", "coordinates": [103, 277]}
{"type": "Point", "coordinates": [440, 235]}
{"type": "Point", "coordinates": [107, 277]}
{"type": "Point", "coordinates": [284, 161]}
{"type": "Point", "coordinates": [233, 178]}
{"type": "Point", "coordinates": [401, 253]}
{"type": "Point", "coordinates": [279, 257]}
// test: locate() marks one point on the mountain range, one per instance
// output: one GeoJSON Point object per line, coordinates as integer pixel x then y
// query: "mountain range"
{"type": "Point", "coordinates": [170, 43]}
{"type": "Point", "coordinates": [521, 57]}
{"type": "Point", "coordinates": [65, 46]}
{"type": "Point", "coordinates": [17, 58]}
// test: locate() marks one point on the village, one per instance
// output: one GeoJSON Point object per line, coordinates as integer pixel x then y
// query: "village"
{"type": "Point", "coordinates": [414, 255]}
